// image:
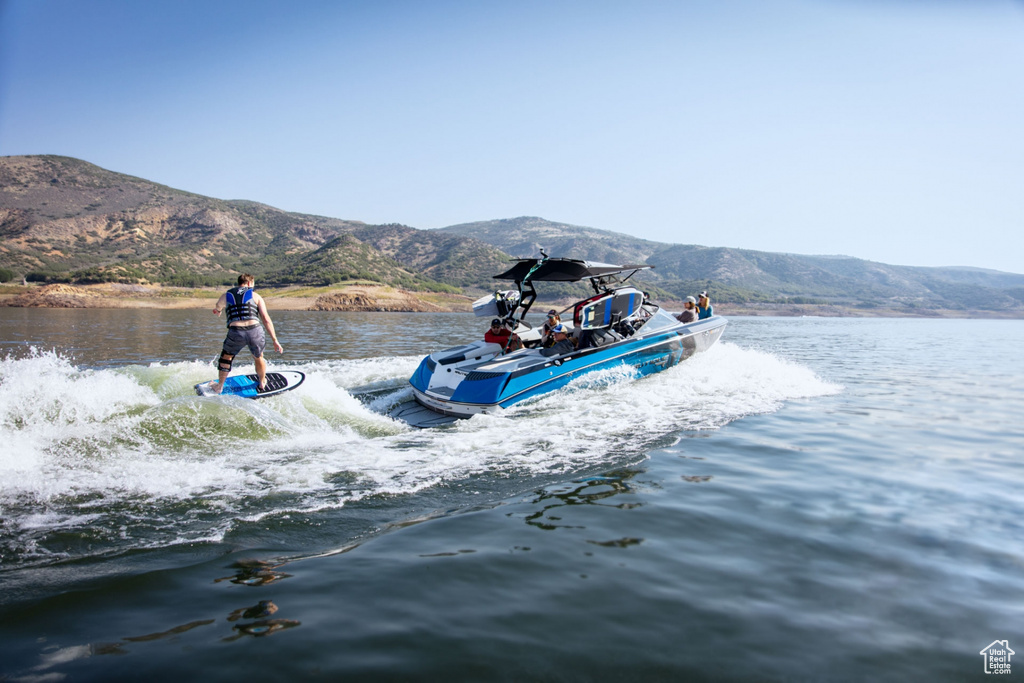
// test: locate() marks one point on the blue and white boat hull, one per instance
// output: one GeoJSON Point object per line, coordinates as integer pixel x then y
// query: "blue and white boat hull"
{"type": "Point", "coordinates": [476, 378]}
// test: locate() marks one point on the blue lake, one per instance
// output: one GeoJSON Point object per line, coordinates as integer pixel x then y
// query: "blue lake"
{"type": "Point", "coordinates": [812, 499]}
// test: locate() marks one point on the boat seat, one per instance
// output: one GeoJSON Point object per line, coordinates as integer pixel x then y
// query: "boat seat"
{"type": "Point", "coordinates": [603, 337]}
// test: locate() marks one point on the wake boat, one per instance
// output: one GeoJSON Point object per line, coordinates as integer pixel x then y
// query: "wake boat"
{"type": "Point", "coordinates": [617, 326]}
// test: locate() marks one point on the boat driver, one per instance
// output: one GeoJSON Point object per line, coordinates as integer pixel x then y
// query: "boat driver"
{"type": "Point", "coordinates": [562, 343]}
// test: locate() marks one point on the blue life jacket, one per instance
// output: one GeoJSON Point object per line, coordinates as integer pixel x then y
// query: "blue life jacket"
{"type": "Point", "coordinates": [240, 305]}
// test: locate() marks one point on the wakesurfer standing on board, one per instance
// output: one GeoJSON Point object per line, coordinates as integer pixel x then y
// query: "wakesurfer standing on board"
{"type": "Point", "coordinates": [245, 310]}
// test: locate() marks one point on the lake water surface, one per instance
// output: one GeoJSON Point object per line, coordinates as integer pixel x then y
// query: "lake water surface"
{"type": "Point", "coordinates": [812, 499]}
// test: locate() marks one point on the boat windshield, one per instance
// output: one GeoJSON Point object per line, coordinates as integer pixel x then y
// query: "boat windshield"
{"type": "Point", "coordinates": [661, 320]}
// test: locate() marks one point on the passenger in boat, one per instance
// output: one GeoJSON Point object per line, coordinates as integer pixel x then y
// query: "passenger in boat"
{"type": "Point", "coordinates": [546, 340]}
{"type": "Point", "coordinates": [562, 344]}
{"type": "Point", "coordinates": [498, 334]}
{"type": "Point", "coordinates": [704, 309]}
{"type": "Point", "coordinates": [514, 343]}
{"type": "Point", "coordinates": [689, 313]}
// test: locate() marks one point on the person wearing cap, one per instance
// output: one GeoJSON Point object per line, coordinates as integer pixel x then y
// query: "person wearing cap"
{"type": "Point", "coordinates": [553, 319]}
{"type": "Point", "coordinates": [562, 343]}
{"type": "Point", "coordinates": [498, 334]}
{"type": "Point", "coordinates": [689, 313]}
{"type": "Point", "coordinates": [704, 309]}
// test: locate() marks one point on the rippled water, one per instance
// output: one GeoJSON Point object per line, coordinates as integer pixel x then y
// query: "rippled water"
{"type": "Point", "coordinates": [812, 498]}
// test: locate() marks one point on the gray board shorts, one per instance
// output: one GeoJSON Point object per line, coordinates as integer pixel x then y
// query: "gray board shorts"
{"type": "Point", "coordinates": [252, 337]}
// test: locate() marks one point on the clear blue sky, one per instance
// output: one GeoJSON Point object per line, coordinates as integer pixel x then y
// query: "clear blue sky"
{"type": "Point", "coordinates": [891, 130]}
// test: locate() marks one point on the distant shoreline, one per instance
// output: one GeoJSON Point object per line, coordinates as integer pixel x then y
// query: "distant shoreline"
{"type": "Point", "coordinates": [367, 297]}
{"type": "Point", "coordinates": [360, 297]}
{"type": "Point", "coordinates": [836, 311]}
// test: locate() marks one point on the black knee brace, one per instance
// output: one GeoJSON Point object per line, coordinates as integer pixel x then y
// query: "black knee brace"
{"type": "Point", "coordinates": [225, 362]}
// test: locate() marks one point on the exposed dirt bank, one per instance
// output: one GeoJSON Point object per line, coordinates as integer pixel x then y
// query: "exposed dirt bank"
{"type": "Point", "coordinates": [368, 297]}
{"type": "Point", "coordinates": [351, 298]}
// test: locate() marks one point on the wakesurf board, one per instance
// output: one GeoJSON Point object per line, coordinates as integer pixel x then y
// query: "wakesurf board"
{"type": "Point", "coordinates": [247, 386]}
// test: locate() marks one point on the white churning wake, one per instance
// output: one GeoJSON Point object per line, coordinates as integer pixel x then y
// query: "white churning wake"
{"type": "Point", "coordinates": [131, 457]}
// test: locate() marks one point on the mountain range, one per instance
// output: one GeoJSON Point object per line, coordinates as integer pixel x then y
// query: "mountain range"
{"type": "Point", "coordinates": [66, 220]}
{"type": "Point", "coordinates": [748, 276]}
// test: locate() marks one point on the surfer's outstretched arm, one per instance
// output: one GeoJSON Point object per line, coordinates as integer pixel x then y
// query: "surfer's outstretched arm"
{"type": "Point", "coordinates": [222, 302]}
{"type": "Point", "coordinates": [269, 324]}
